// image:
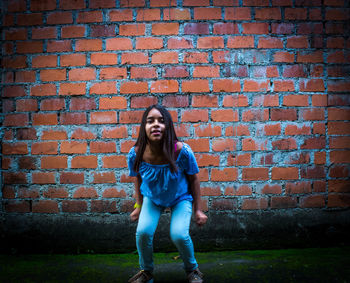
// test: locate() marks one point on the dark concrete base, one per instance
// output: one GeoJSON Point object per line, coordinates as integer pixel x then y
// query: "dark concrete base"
{"type": "Point", "coordinates": [36, 233]}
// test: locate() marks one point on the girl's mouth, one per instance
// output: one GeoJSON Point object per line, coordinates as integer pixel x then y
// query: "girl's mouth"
{"type": "Point", "coordinates": [156, 133]}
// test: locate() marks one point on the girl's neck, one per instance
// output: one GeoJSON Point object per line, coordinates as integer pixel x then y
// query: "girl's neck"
{"type": "Point", "coordinates": [155, 148]}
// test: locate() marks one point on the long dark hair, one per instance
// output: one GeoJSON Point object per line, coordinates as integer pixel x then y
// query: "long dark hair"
{"type": "Point", "coordinates": [168, 141]}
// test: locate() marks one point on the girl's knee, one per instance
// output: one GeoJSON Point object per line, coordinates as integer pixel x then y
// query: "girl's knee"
{"type": "Point", "coordinates": [178, 237]}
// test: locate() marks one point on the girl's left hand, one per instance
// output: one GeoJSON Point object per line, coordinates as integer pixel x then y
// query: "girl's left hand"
{"type": "Point", "coordinates": [200, 217]}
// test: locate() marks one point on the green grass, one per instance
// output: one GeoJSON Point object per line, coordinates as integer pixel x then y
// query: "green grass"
{"type": "Point", "coordinates": [290, 265]}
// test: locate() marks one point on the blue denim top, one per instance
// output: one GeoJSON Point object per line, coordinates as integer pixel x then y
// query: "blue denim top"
{"type": "Point", "coordinates": [162, 186]}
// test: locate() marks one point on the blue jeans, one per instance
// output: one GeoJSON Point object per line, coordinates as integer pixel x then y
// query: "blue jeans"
{"type": "Point", "coordinates": [179, 232]}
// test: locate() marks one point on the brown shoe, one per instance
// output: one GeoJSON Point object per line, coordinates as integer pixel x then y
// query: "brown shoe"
{"type": "Point", "coordinates": [195, 276]}
{"type": "Point", "coordinates": [142, 276]}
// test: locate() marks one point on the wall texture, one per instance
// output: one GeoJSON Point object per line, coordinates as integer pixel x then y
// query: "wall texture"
{"type": "Point", "coordinates": [259, 89]}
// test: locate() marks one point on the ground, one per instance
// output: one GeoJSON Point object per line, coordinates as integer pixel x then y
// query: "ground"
{"type": "Point", "coordinates": [288, 265]}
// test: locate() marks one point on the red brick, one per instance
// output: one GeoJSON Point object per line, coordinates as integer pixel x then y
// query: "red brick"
{"type": "Point", "coordinates": [104, 178]}
{"type": "Point", "coordinates": [223, 145]}
{"type": "Point", "coordinates": [45, 206]}
{"type": "Point", "coordinates": [165, 29]}
{"type": "Point", "coordinates": [312, 85]}
{"type": "Point", "coordinates": [240, 130]}
{"type": "Point", "coordinates": [255, 115]}
{"type": "Point", "coordinates": [340, 156]}
{"type": "Point", "coordinates": [71, 178]}
{"type": "Point", "coordinates": [180, 43]}
{"type": "Point", "coordinates": [13, 91]}
{"type": "Point", "coordinates": [320, 158]}
{"type": "Point", "coordinates": [84, 162]}
{"type": "Point", "coordinates": [224, 175]}
{"type": "Point", "coordinates": [251, 204]}
{"type": "Point", "coordinates": [102, 30]}
{"type": "Point", "coordinates": [210, 191]}
{"type": "Point", "coordinates": [195, 57]}
{"type": "Point", "coordinates": [283, 114]}
{"type": "Point", "coordinates": [102, 147]}
{"type": "Point", "coordinates": [298, 188]}
{"type": "Point", "coordinates": [338, 86]}
{"type": "Point", "coordinates": [338, 200]}
{"type": "Point", "coordinates": [17, 206]}
{"type": "Point", "coordinates": [44, 119]}
{"type": "Point", "coordinates": [149, 43]}
{"type": "Point", "coordinates": [268, 14]}
{"type": "Point", "coordinates": [55, 18]}
{"type": "Point", "coordinates": [16, 34]}
{"type": "Point", "coordinates": [207, 13]}
{"type": "Point", "coordinates": [250, 174]}
{"type": "Point", "coordinates": [194, 115]}
{"type": "Point", "coordinates": [82, 104]}
{"type": "Point", "coordinates": [55, 193]}
{"type": "Point", "coordinates": [43, 33]}
{"type": "Point", "coordinates": [132, 29]}
{"type": "Point", "coordinates": [195, 86]}
{"type": "Point", "coordinates": [90, 17]}
{"type": "Point", "coordinates": [287, 173]}
{"type": "Point", "coordinates": [82, 74]}
{"type": "Point", "coordinates": [134, 3]}
{"type": "Point", "coordinates": [255, 28]}
{"type": "Point", "coordinates": [164, 86]}
{"type": "Point", "coordinates": [225, 115]}
{"type": "Point", "coordinates": [295, 13]}
{"type": "Point", "coordinates": [226, 85]}
{"type": "Point", "coordinates": [23, 105]}
{"type": "Point", "coordinates": [207, 160]}
{"type": "Point", "coordinates": [14, 148]}
{"type": "Point", "coordinates": [103, 88]}
{"type": "Point", "coordinates": [313, 114]}
{"type": "Point", "coordinates": [134, 58]}
{"type": "Point", "coordinates": [206, 71]}
{"type": "Point", "coordinates": [134, 87]}
{"type": "Point", "coordinates": [72, 89]}
{"type": "Point", "coordinates": [223, 204]}
{"type": "Point", "coordinates": [88, 45]}
{"type": "Point", "coordinates": [339, 142]}
{"type": "Point", "coordinates": [295, 100]}
{"type": "Point", "coordinates": [174, 14]}
{"type": "Point", "coordinates": [130, 117]}
{"type": "Point", "coordinates": [43, 178]}
{"type": "Point", "coordinates": [30, 19]}
{"type": "Point", "coordinates": [59, 46]}
{"type": "Point", "coordinates": [225, 28]}
{"type": "Point", "coordinates": [295, 130]}
{"type": "Point", "coordinates": [272, 130]}
{"type": "Point", "coordinates": [114, 162]}
{"type": "Point", "coordinates": [165, 57]}
{"type": "Point", "coordinates": [282, 28]}
{"type": "Point", "coordinates": [53, 75]}
{"type": "Point", "coordinates": [270, 42]}
{"type": "Point", "coordinates": [52, 104]}
{"type": "Point", "coordinates": [117, 44]}
{"type": "Point", "coordinates": [109, 117]}
{"type": "Point", "coordinates": [272, 189]}
{"type": "Point", "coordinates": [112, 103]}
{"type": "Point", "coordinates": [207, 131]}
{"type": "Point", "coordinates": [210, 42]}
{"type": "Point", "coordinates": [256, 86]}
{"type": "Point", "coordinates": [71, 5]}
{"type": "Point", "coordinates": [312, 201]}
{"type": "Point", "coordinates": [143, 72]}
{"type": "Point", "coordinates": [73, 118]}
{"type": "Point", "coordinates": [84, 192]}
{"type": "Point", "coordinates": [95, 4]}
{"type": "Point", "coordinates": [310, 57]}
{"type": "Point", "coordinates": [143, 102]}
{"type": "Point", "coordinates": [27, 162]}
{"type": "Point", "coordinates": [238, 14]}
{"type": "Point", "coordinates": [243, 190]}
{"type": "Point", "coordinates": [283, 57]}
{"type": "Point", "coordinates": [283, 202]}
{"type": "Point", "coordinates": [122, 15]}
{"type": "Point", "coordinates": [198, 145]}
{"type": "Point", "coordinates": [73, 147]}
{"type": "Point", "coordinates": [115, 133]}
{"type": "Point", "coordinates": [113, 193]}
{"type": "Point", "coordinates": [68, 60]}
{"type": "Point", "coordinates": [176, 101]}
{"type": "Point", "coordinates": [297, 42]}
{"type": "Point", "coordinates": [45, 148]}
{"type": "Point", "coordinates": [112, 73]}
{"type": "Point", "coordinates": [74, 206]}
{"type": "Point", "coordinates": [104, 206]}
{"type": "Point", "coordinates": [54, 162]}
{"type": "Point", "coordinates": [54, 135]}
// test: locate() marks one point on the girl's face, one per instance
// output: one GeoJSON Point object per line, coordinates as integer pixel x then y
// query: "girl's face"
{"type": "Point", "coordinates": [155, 126]}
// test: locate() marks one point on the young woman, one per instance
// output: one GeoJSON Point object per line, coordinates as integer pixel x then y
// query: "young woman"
{"type": "Point", "coordinates": [166, 172]}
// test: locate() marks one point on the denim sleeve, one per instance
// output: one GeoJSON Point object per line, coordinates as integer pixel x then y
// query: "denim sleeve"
{"type": "Point", "coordinates": [131, 160]}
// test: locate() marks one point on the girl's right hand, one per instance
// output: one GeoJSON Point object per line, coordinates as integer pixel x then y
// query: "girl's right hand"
{"type": "Point", "coordinates": [134, 216]}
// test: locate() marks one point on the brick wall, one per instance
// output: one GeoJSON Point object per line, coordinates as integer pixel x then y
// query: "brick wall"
{"type": "Point", "coordinates": [258, 88]}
